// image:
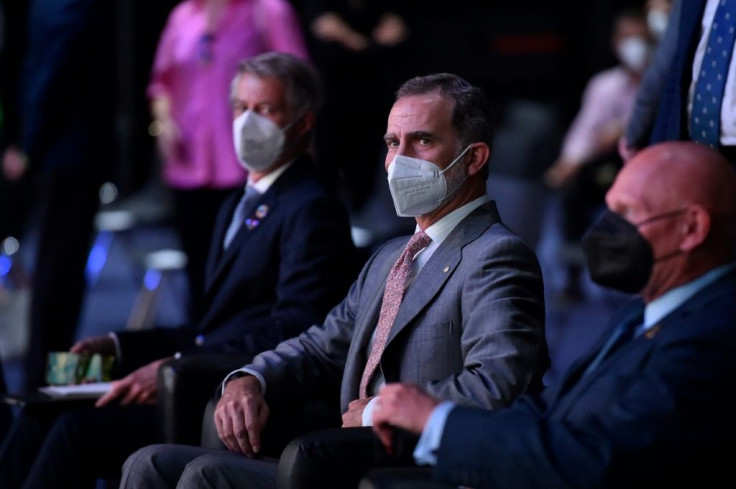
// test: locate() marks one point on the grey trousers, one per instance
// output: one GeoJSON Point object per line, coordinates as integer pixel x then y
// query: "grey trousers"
{"type": "Point", "coordinates": [183, 466]}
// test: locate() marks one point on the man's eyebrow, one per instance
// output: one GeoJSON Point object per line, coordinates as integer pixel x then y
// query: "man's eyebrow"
{"type": "Point", "coordinates": [388, 136]}
{"type": "Point", "coordinates": [420, 135]}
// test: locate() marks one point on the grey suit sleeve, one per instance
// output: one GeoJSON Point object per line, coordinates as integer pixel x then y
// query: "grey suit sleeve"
{"type": "Point", "coordinates": [644, 113]}
{"type": "Point", "coordinates": [502, 339]}
{"type": "Point", "coordinates": [313, 361]}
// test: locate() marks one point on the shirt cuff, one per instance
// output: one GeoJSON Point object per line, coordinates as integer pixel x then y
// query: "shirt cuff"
{"type": "Point", "coordinates": [118, 351]}
{"type": "Point", "coordinates": [244, 371]}
{"type": "Point", "coordinates": [368, 412]}
{"type": "Point", "coordinates": [425, 453]}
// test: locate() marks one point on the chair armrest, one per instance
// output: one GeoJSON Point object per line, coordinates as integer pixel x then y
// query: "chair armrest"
{"type": "Point", "coordinates": [185, 385]}
{"type": "Point", "coordinates": [338, 458]}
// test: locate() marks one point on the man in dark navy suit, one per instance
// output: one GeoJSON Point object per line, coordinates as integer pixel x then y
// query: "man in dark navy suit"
{"type": "Point", "coordinates": [695, 54]}
{"type": "Point", "coordinates": [652, 404]}
{"type": "Point", "coordinates": [281, 257]}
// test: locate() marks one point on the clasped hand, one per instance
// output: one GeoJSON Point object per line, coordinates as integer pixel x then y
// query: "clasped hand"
{"type": "Point", "coordinates": [403, 406]}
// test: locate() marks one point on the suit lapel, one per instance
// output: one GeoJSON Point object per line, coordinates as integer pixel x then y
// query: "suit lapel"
{"type": "Point", "coordinates": [263, 210]}
{"type": "Point", "coordinates": [223, 221]}
{"type": "Point", "coordinates": [441, 266]}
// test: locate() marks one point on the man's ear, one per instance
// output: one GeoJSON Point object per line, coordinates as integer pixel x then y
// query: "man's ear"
{"type": "Point", "coordinates": [306, 122]}
{"type": "Point", "coordinates": [479, 155]}
{"type": "Point", "coordinates": [695, 228]}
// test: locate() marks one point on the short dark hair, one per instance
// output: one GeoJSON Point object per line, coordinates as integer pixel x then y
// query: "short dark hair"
{"type": "Point", "coordinates": [302, 85]}
{"type": "Point", "coordinates": [471, 111]}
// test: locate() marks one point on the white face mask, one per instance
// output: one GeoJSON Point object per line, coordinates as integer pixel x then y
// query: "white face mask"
{"type": "Point", "coordinates": [258, 140]}
{"type": "Point", "coordinates": [633, 53]}
{"type": "Point", "coordinates": [419, 186]}
{"type": "Point", "coordinates": [657, 22]}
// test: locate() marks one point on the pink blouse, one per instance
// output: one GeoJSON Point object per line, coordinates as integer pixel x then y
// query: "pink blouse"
{"type": "Point", "coordinates": [196, 75]}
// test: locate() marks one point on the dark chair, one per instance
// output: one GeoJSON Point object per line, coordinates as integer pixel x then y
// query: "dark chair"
{"type": "Point", "coordinates": [338, 458]}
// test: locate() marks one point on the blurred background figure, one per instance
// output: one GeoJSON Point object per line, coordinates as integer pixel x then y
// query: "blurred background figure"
{"type": "Point", "coordinates": [5, 412]}
{"type": "Point", "coordinates": [196, 58]}
{"type": "Point", "coordinates": [360, 48]}
{"type": "Point", "coordinates": [66, 134]}
{"type": "Point", "coordinates": [589, 159]}
{"type": "Point", "coordinates": [688, 91]}
{"type": "Point", "coordinates": [658, 15]}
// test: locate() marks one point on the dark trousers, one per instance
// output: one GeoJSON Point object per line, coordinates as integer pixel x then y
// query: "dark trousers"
{"type": "Point", "coordinates": [70, 445]}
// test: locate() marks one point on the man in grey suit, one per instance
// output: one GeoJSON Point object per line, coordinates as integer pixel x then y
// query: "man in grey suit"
{"type": "Point", "coordinates": [466, 318]}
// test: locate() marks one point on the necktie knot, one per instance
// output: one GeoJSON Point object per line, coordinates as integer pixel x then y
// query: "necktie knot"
{"type": "Point", "coordinates": [416, 244]}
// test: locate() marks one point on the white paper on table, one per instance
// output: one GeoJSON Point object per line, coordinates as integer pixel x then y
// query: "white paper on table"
{"type": "Point", "coordinates": [81, 391]}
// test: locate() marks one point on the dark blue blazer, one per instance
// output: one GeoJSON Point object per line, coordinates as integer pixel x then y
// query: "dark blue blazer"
{"type": "Point", "coordinates": [282, 273]}
{"type": "Point", "coordinates": [672, 120]}
{"type": "Point", "coordinates": [660, 411]}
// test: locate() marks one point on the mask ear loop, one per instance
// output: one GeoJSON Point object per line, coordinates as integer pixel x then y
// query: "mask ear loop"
{"type": "Point", "coordinates": [462, 153]}
{"type": "Point", "coordinates": [288, 126]}
{"type": "Point", "coordinates": [459, 185]}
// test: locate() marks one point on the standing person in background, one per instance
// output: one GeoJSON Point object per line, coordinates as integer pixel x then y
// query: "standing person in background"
{"type": "Point", "coordinates": [198, 54]}
{"type": "Point", "coordinates": [66, 132]}
{"type": "Point", "coordinates": [689, 92]}
{"type": "Point", "coordinates": [359, 47]}
{"type": "Point", "coordinates": [589, 159]}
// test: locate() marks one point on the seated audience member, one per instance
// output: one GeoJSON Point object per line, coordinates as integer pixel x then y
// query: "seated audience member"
{"type": "Point", "coordinates": [457, 308]}
{"type": "Point", "coordinates": [280, 258]}
{"type": "Point", "coordinates": [651, 405]}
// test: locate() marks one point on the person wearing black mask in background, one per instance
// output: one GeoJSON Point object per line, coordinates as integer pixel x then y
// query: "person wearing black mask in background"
{"type": "Point", "coordinates": [650, 406]}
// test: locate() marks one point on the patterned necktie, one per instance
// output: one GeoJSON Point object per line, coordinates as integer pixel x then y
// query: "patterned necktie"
{"type": "Point", "coordinates": [705, 116]}
{"type": "Point", "coordinates": [392, 296]}
{"type": "Point", "coordinates": [244, 207]}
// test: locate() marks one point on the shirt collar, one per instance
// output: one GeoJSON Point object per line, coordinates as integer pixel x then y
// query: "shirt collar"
{"type": "Point", "coordinates": [444, 226]}
{"type": "Point", "coordinates": [266, 181]}
{"type": "Point", "coordinates": [671, 300]}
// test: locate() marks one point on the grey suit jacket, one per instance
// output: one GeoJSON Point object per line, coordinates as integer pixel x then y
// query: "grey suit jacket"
{"type": "Point", "coordinates": [470, 327]}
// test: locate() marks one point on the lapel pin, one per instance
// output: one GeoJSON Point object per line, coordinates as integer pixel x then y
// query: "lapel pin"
{"type": "Point", "coordinates": [446, 269]}
{"type": "Point", "coordinates": [651, 332]}
{"type": "Point", "coordinates": [262, 211]}
{"type": "Point", "coordinates": [251, 223]}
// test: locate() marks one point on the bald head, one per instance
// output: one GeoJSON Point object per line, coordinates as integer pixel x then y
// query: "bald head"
{"type": "Point", "coordinates": [696, 185]}
{"type": "Point", "coordinates": [679, 172]}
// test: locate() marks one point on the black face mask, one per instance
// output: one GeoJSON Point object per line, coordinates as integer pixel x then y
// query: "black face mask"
{"type": "Point", "coordinates": [618, 255]}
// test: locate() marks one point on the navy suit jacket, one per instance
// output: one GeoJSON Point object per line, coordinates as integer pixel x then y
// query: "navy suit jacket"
{"type": "Point", "coordinates": [281, 273]}
{"type": "Point", "coordinates": [672, 119]}
{"type": "Point", "coordinates": [660, 411]}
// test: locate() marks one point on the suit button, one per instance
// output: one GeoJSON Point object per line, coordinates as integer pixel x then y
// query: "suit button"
{"type": "Point", "coordinates": [199, 340]}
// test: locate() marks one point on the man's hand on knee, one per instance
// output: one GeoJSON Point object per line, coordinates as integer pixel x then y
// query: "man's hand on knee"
{"type": "Point", "coordinates": [241, 414]}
